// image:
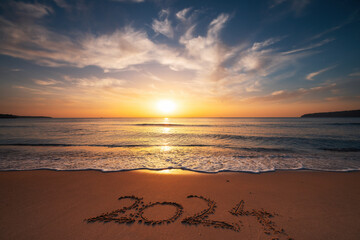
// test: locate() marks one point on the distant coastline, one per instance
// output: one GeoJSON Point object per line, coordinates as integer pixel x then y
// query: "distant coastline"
{"type": "Point", "coordinates": [341, 114]}
{"type": "Point", "coordinates": [16, 116]}
{"type": "Point", "coordinates": [351, 113]}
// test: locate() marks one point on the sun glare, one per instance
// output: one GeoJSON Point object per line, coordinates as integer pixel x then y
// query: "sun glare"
{"type": "Point", "coordinates": [166, 106]}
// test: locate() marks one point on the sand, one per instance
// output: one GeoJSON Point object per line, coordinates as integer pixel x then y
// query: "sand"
{"type": "Point", "coordinates": [179, 205]}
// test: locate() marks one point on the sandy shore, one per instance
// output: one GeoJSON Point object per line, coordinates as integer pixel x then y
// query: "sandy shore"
{"type": "Point", "coordinates": [73, 205]}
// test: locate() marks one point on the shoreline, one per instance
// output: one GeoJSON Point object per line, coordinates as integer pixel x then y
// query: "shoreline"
{"type": "Point", "coordinates": [221, 159]}
{"type": "Point", "coordinates": [180, 169]}
{"type": "Point", "coordinates": [47, 204]}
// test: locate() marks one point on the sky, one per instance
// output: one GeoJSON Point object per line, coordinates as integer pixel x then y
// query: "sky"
{"type": "Point", "coordinates": [118, 58]}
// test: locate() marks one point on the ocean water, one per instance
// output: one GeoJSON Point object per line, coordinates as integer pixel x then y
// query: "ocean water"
{"type": "Point", "coordinates": [198, 144]}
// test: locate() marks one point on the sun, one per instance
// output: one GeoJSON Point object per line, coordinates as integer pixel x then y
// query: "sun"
{"type": "Point", "coordinates": [166, 106]}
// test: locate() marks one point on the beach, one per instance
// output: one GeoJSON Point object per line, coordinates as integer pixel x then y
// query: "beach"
{"type": "Point", "coordinates": [178, 204]}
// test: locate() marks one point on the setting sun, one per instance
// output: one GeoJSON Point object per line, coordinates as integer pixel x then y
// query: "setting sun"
{"type": "Point", "coordinates": [166, 106]}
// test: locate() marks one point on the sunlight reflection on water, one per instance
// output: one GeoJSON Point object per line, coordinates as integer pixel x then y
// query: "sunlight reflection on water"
{"type": "Point", "coordinates": [165, 130]}
{"type": "Point", "coordinates": [171, 171]}
{"type": "Point", "coordinates": [165, 148]}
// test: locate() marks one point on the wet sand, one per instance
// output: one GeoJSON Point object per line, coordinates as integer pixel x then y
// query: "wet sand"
{"type": "Point", "coordinates": [179, 205]}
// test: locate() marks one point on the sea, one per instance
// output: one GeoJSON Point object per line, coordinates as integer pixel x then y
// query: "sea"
{"type": "Point", "coordinates": [198, 144]}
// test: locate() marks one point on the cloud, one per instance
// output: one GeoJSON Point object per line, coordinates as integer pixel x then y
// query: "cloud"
{"type": "Point", "coordinates": [121, 49]}
{"type": "Point", "coordinates": [216, 25]}
{"type": "Point", "coordinates": [343, 98]}
{"type": "Point", "coordinates": [209, 55]}
{"type": "Point", "coordinates": [134, 1]}
{"type": "Point", "coordinates": [354, 74]}
{"type": "Point", "coordinates": [230, 71]}
{"type": "Point", "coordinates": [62, 4]}
{"type": "Point", "coordinates": [311, 76]}
{"type": "Point", "coordinates": [153, 76]}
{"type": "Point", "coordinates": [74, 88]}
{"type": "Point", "coordinates": [260, 60]}
{"type": "Point", "coordinates": [31, 10]}
{"type": "Point", "coordinates": [296, 6]}
{"type": "Point", "coordinates": [128, 47]}
{"type": "Point", "coordinates": [292, 94]}
{"type": "Point", "coordinates": [275, 3]}
{"type": "Point", "coordinates": [254, 69]}
{"type": "Point", "coordinates": [33, 42]}
{"type": "Point", "coordinates": [35, 91]}
{"type": "Point", "coordinates": [163, 26]}
{"type": "Point", "coordinates": [266, 43]}
{"type": "Point", "coordinates": [96, 82]}
{"type": "Point", "coordinates": [327, 31]}
{"type": "Point", "coordinates": [117, 50]}
{"type": "Point", "coordinates": [316, 45]}
{"type": "Point", "coordinates": [217, 69]}
{"type": "Point", "coordinates": [332, 29]}
{"type": "Point", "coordinates": [182, 14]}
{"type": "Point", "coordinates": [206, 49]}
{"type": "Point", "coordinates": [299, 5]}
{"type": "Point", "coordinates": [46, 82]}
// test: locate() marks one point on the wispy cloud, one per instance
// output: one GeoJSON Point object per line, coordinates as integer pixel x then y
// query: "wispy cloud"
{"type": "Point", "coordinates": [182, 14]}
{"type": "Point", "coordinates": [343, 98]}
{"type": "Point", "coordinates": [315, 45]}
{"type": "Point", "coordinates": [96, 82]}
{"type": "Point", "coordinates": [31, 10]}
{"type": "Point", "coordinates": [62, 4]}
{"type": "Point", "coordinates": [332, 29]}
{"type": "Point", "coordinates": [291, 94]}
{"type": "Point", "coordinates": [153, 76]}
{"type": "Point", "coordinates": [68, 87]}
{"type": "Point", "coordinates": [163, 24]}
{"type": "Point", "coordinates": [319, 35]}
{"type": "Point", "coordinates": [33, 90]}
{"type": "Point", "coordinates": [134, 1]}
{"type": "Point", "coordinates": [311, 76]}
{"type": "Point", "coordinates": [296, 6]}
{"type": "Point", "coordinates": [354, 74]}
{"type": "Point", "coordinates": [46, 82]}
{"type": "Point", "coordinates": [254, 65]}
{"type": "Point", "coordinates": [299, 5]}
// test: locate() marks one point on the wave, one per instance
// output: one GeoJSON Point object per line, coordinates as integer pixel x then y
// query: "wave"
{"type": "Point", "coordinates": [284, 139]}
{"type": "Point", "coordinates": [187, 169]}
{"type": "Point", "coordinates": [344, 124]}
{"type": "Point", "coordinates": [100, 145]}
{"type": "Point", "coordinates": [262, 149]}
{"type": "Point", "coordinates": [15, 126]}
{"type": "Point", "coordinates": [333, 144]}
{"type": "Point", "coordinates": [169, 125]}
{"type": "Point", "coordinates": [252, 149]}
{"type": "Point", "coordinates": [341, 149]}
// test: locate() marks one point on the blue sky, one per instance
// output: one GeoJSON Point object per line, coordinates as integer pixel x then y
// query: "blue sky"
{"type": "Point", "coordinates": [215, 58]}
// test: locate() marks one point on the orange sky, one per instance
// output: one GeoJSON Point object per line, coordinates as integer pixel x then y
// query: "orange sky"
{"type": "Point", "coordinates": [184, 108]}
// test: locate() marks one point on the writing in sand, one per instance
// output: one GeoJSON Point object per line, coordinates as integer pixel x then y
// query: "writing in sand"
{"type": "Point", "coordinates": [136, 212]}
